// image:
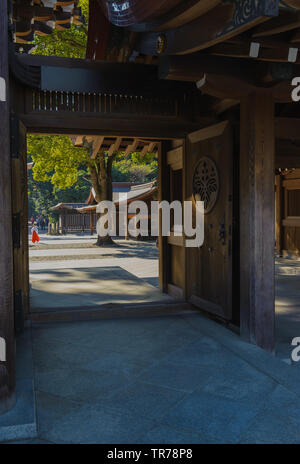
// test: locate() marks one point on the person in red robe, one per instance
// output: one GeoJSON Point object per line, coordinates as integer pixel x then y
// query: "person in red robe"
{"type": "Point", "coordinates": [35, 234]}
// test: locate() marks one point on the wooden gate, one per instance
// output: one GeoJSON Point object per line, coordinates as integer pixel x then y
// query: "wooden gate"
{"type": "Point", "coordinates": [209, 178]}
{"type": "Point", "coordinates": [20, 221]}
{"type": "Point", "coordinates": [172, 259]}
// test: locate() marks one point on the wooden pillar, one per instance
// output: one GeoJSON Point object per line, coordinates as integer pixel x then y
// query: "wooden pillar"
{"type": "Point", "coordinates": [163, 194]}
{"type": "Point", "coordinates": [257, 216]}
{"type": "Point", "coordinates": [17, 201]}
{"type": "Point", "coordinates": [92, 222]}
{"type": "Point", "coordinates": [7, 362]}
{"type": "Point", "coordinates": [25, 232]}
{"type": "Point", "coordinates": [127, 231]}
{"type": "Point", "coordinates": [279, 214]}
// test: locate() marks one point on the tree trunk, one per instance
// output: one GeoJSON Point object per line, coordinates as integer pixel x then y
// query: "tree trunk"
{"type": "Point", "coordinates": [104, 241]}
{"type": "Point", "coordinates": [102, 183]}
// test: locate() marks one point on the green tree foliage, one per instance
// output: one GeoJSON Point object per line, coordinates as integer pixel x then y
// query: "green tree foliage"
{"type": "Point", "coordinates": [43, 195]}
{"type": "Point", "coordinates": [135, 168]}
{"type": "Point", "coordinates": [59, 170]}
{"type": "Point", "coordinates": [56, 159]}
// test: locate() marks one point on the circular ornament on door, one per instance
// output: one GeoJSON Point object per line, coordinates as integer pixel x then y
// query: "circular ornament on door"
{"type": "Point", "coordinates": [206, 183]}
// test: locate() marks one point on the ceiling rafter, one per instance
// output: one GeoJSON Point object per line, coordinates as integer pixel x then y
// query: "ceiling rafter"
{"type": "Point", "coordinates": [112, 144]}
{"type": "Point", "coordinates": [287, 21]}
{"type": "Point", "coordinates": [281, 54]}
{"type": "Point", "coordinates": [131, 148]}
{"type": "Point", "coordinates": [115, 146]}
{"type": "Point", "coordinates": [97, 144]}
{"type": "Point", "coordinates": [148, 149]}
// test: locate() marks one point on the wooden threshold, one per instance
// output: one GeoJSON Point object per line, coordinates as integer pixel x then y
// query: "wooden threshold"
{"type": "Point", "coordinates": [116, 312]}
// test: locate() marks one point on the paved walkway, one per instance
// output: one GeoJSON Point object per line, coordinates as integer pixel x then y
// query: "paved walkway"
{"type": "Point", "coordinates": [66, 271]}
{"type": "Point", "coordinates": [173, 379]}
{"type": "Point", "coordinates": [287, 305]}
{"type": "Point", "coordinates": [71, 272]}
{"type": "Point", "coordinates": [178, 380]}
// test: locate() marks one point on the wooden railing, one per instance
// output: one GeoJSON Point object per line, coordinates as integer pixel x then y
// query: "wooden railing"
{"type": "Point", "coordinates": [94, 103]}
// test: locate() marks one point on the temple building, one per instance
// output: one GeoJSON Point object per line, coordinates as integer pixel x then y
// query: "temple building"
{"type": "Point", "coordinates": [80, 218]}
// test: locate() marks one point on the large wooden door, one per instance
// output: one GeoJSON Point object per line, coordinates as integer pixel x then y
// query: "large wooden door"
{"type": "Point", "coordinates": [20, 221]}
{"type": "Point", "coordinates": [172, 248]}
{"type": "Point", "coordinates": [209, 178]}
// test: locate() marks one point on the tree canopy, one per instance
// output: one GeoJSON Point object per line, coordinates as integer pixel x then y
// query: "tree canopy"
{"type": "Point", "coordinates": [57, 161]}
{"type": "Point", "coordinates": [59, 170]}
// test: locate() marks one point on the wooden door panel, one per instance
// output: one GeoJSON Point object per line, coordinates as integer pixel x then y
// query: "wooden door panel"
{"type": "Point", "coordinates": [176, 281]}
{"type": "Point", "coordinates": [172, 248]}
{"type": "Point", "coordinates": [209, 171]}
{"type": "Point", "coordinates": [20, 222]}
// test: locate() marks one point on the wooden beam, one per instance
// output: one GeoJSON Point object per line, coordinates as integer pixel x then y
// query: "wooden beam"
{"type": "Point", "coordinates": [148, 148]}
{"type": "Point", "coordinates": [236, 89]}
{"type": "Point", "coordinates": [290, 4]}
{"type": "Point", "coordinates": [279, 213]}
{"type": "Point", "coordinates": [283, 91]}
{"type": "Point", "coordinates": [295, 38]}
{"type": "Point", "coordinates": [257, 215]}
{"type": "Point", "coordinates": [77, 140]}
{"type": "Point", "coordinates": [207, 133]}
{"type": "Point", "coordinates": [115, 146]}
{"type": "Point", "coordinates": [283, 161]}
{"type": "Point", "coordinates": [223, 105]}
{"type": "Point", "coordinates": [280, 54]}
{"type": "Point", "coordinates": [186, 12]}
{"type": "Point", "coordinates": [86, 76]}
{"type": "Point", "coordinates": [131, 148]}
{"type": "Point", "coordinates": [287, 21]}
{"type": "Point", "coordinates": [97, 144]}
{"type": "Point", "coordinates": [287, 128]}
{"type": "Point", "coordinates": [7, 365]}
{"type": "Point", "coordinates": [193, 68]}
{"type": "Point", "coordinates": [291, 184]}
{"type": "Point", "coordinates": [287, 148]}
{"type": "Point", "coordinates": [246, 38]}
{"type": "Point", "coordinates": [181, 14]}
{"type": "Point", "coordinates": [223, 87]}
{"type": "Point", "coordinates": [222, 22]}
{"type": "Point", "coordinates": [156, 128]}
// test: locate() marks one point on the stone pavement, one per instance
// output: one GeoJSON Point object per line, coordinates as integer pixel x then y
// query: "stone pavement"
{"type": "Point", "coordinates": [181, 380]}
{"type": "Point", "coordinates": [66, 271]}
{"type": "Point", "coordinates": [171, 379]}
{"type": "Point", "coordinates": [70, 272]}
{"type": "Point", "coordinates": [287, 305]}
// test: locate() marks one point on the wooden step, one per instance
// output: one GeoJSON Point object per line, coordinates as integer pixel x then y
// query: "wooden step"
{"type": "Point", "coordinates": [112, 312]}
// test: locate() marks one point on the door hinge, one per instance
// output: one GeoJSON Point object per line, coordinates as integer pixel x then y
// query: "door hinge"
{"type": "Point", "coordinates": [14, 137]}
{"type": "Point", "coordinates": [16, 230]}
{"type": "Point", "coordinates": [18, 311]}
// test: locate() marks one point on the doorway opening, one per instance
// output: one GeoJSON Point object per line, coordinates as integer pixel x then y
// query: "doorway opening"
{"type": "Point", "coordinates": [287, 261]}
{"type": "Point", "coordinates": [68, 270]}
